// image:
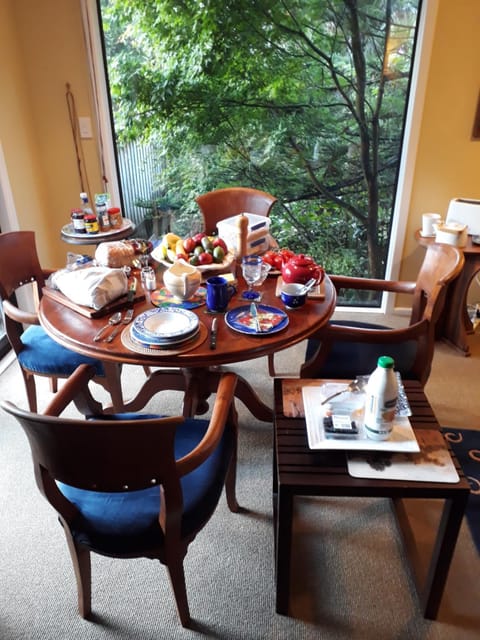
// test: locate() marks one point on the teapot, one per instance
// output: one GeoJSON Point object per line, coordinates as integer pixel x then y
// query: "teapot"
{"type": "Point", "coordinates": [302, 268]}
{"type": "Point", "coordinates": [182, 280]}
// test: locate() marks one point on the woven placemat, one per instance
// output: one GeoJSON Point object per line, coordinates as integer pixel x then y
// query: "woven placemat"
{"type": "Point", "coordinates": [188, 345]}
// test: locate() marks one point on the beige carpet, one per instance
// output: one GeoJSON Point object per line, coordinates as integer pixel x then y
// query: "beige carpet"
{"type": "Point", "coordinates": [350, 579]}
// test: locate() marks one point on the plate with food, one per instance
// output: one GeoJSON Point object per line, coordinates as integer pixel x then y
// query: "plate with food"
{"type": "Point", "coordinates": [265, 321]}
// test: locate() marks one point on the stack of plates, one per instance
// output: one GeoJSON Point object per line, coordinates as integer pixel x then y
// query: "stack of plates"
{"type": "Point", "coordinates": [164, 328]}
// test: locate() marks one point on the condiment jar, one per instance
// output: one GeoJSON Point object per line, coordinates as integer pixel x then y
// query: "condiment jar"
{"type": "Point", "coordinates": [301, 269]}
{"type": "Point", "coordinates": [115, 216]}
{"type": "Point", "coordinates": [78, 222]}
{"type": "Point", "coordinates": [91, 223]}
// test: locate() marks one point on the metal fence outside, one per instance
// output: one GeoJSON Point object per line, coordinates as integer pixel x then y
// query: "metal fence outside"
{"type": "Point", "coordinates": [140, 167]}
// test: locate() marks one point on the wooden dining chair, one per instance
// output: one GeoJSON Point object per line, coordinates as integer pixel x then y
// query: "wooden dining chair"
{"type": "Point", "coordinates": [346, 349]}
{"type": "Point", "coordinates": [37, 354]}
{"type": "Point", "coordinates": [132, 485]}
{"type": "Point", "coordinates": [223, 203]}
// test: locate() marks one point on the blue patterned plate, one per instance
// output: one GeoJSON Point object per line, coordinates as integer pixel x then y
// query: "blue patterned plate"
{"type": "Point", "coordinates": [164, 324]}
{"type": "Point", "coordinates": [271, 320]}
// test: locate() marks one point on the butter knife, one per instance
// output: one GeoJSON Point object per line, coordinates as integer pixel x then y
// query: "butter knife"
{"type": "Point", "coordinates": [254, 314]}
{"type": "Point", "coordinates": [213, 334]}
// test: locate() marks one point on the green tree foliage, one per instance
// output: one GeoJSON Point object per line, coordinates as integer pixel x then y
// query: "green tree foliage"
{"type": "Point", "coordinates": [302, 98]}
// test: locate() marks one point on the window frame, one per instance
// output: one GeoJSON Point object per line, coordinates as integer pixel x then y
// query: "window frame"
{"type": "Point", "coordinates": [418, 83]}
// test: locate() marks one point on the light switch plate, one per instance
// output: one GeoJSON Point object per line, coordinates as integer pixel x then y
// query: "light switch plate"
{"type": "Point", "coordinates": [85, 127]}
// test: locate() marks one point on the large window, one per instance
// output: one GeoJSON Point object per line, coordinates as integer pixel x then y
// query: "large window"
{"type": "Point", "coordinates": [306, 100]}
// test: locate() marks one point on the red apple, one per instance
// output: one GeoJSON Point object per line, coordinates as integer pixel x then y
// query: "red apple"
{"type": "Point", "coordinates": [205, 258]}
{"type": "Point", "coordinates": [189, 245]}
{"type": "Point", "coordinates": [198, 237]}
{"type": "Point", "coordinates": [219, 242]}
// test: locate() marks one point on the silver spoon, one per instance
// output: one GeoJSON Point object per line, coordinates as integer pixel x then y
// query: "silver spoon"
{"type": "Point", "coordinates": [352, 386]}
{"type": "Point", "coordinates": [114, 319]}
{"type": "Point", "coordinates": [308, 286]}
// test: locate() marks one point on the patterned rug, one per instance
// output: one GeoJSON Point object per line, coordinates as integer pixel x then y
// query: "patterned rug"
{"type": "Point", "coordinates": [465, 444]}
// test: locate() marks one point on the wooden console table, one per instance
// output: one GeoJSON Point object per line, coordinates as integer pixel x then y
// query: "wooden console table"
{"type": "Point", "coordinates": [299, 471]}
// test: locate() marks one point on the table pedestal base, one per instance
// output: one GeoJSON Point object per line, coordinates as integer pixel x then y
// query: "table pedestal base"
{"type": "Point", "coordinates": [197, 384]}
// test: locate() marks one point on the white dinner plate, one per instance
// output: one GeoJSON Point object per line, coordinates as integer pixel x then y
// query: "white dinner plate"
{"type": "Point", "coordinates": [165, 344]}
{"type": "Point", "coordinates": [165, 323]}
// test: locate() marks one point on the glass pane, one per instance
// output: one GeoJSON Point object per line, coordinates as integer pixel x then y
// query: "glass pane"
{"type": "Point", "coordinates": [305, 100]}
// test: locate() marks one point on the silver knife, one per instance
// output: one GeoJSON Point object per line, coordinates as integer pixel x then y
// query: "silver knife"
{"type": "Point", "coordinates": [254, 314]}
{"type": "Point", "coordinates": [213, 334]}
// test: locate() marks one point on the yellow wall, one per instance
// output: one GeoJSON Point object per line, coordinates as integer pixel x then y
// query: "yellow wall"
{"type": "Point", "coordinates": [448, 161]}
{"type": "Point", "coordinates": [42, 48]}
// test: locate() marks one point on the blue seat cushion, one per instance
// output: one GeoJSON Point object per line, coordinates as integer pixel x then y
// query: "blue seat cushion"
{"type": "Point", "coordinates": [127, 523]}
{"type": "Point", "coordinates": [43, 355]}
{"type": "Point", "coordinates": [350, 359]}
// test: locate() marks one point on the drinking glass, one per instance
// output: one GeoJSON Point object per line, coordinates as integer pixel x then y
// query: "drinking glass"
{"type": "Point", "coordinates": [252, 273]}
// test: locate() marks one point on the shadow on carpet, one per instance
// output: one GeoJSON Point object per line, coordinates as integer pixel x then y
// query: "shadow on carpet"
{"type": "Point", "coordinates": [465, 445]}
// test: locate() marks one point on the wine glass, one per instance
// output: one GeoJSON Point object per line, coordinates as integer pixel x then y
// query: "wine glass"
{"type": "Point", "coordinates": [252, 272]}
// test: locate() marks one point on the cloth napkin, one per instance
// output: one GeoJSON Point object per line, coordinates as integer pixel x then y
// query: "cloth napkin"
{"type": "Point", "coordinates": [92, 287]}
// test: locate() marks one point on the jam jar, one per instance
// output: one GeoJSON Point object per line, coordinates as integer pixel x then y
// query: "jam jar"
{"type": "Point", "coordinates": [78, 223]}
{"type": "Point", "coordinates": [91, 223]}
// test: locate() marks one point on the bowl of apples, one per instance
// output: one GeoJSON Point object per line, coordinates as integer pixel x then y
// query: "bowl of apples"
{"type": "Point", "coordinates": [209, 254]}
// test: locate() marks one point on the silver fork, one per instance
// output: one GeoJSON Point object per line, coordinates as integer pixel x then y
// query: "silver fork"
{"type": "Point", "coordinates": [127, 318]}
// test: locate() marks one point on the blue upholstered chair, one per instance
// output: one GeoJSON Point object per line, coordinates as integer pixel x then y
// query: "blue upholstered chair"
{"type": "Point", "coordinates": [350, 348]}
{"type": "Point", "coordinates": [132, 485]}
{"type": "Point", "coordinates": [37, 353]}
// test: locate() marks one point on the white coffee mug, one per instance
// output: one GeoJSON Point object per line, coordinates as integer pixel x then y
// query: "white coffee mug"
{"type": "Point", "coordinates": [428, 222]}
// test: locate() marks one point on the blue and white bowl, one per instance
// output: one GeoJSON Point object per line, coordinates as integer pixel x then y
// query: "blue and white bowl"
{"type": "Point", "coordinates": [293, 295]}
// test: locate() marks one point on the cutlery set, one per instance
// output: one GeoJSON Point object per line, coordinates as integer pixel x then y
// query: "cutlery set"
{"type": "Point", "coordinates": [116, 318]}
{"type": "Point", "coordinates": [115, 321]}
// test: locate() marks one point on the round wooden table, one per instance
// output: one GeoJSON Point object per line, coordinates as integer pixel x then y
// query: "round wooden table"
{"type": "Point", "coordinates": [195, 367]}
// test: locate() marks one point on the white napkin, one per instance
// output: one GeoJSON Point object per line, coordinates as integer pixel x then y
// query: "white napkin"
{"type": "Point", "coordinates": [92, 287]}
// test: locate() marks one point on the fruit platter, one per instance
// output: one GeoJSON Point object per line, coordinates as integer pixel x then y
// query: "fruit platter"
{"type": "Point", "coordinates": [207, 253]}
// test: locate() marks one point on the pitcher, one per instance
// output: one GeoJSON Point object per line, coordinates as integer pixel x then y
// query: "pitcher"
{"type": "Point", "coordinates": [182, 280]}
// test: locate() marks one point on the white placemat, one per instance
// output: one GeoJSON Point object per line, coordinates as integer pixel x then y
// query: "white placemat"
{"type": "Point", "coordinates": [432, 464]}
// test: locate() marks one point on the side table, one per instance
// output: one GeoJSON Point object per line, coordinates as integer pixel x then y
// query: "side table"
{"type": "Point", "coordinates": [125, 231]}
{"type": "Point", "coordinates": [299, 471]}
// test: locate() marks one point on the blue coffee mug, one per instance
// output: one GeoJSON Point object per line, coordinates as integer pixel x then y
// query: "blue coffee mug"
{"type": "Point", "coordinates": [219, 293]}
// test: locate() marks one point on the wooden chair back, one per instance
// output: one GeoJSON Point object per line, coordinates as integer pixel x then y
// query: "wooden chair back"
{"type": "Point", "coordinates": [122, 455]}
{"type": "Point", "coordinates": [19, 265]}
{"type": "Point", "coordinates": [223, 203]}
{"type": "Point", "coordinates": [442, 264]}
